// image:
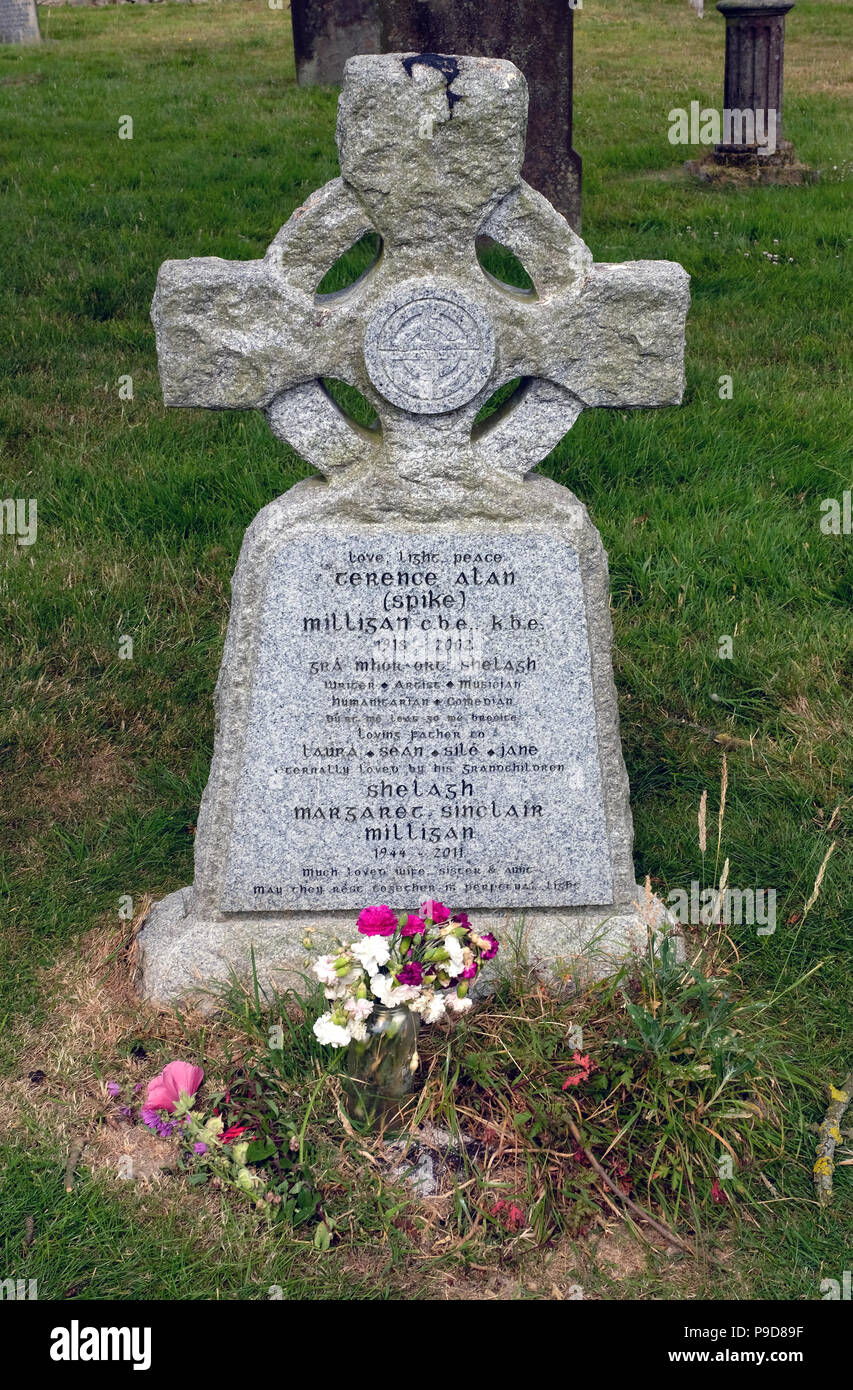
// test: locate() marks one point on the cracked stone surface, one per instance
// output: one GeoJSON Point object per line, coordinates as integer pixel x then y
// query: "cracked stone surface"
{"type": "Point", "coordinates": [430, 159]}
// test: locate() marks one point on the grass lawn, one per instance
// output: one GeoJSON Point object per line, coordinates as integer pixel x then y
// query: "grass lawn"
{"type": "Point", "coordinates": [711, 518]}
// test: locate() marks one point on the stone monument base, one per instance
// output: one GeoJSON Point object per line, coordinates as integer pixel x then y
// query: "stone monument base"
{"type": "Point", "coordinates": [726, 165]}
{"type": "Point", "coordinates": [182, 950]}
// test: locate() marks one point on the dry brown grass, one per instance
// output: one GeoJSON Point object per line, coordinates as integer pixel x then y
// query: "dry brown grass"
{"type": "Point", "coordinates": [57, 1097]}
{"type": "Point", "coordinates": [65, 1059]}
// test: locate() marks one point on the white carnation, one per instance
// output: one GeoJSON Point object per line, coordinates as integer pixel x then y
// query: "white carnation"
{"type": "Point", "coordinates": [342, 986]}
{"type": "Point", "coordinates": [435, 1009]}
{"type": "Point", "coordinates": [372, 951]}
{"type": "Point", "coordinates": [390, 994]}
{"type": "Point", "coordinates": [328, 1032]}
{"type": "Point", "coordinates": [456, 964]}
{"type": "Point", "coordinates": [359, 1008]}
{"type": "Point", "coordinates": [458, 1005]}
{"type": "Point", "coordinates": [324, 969]}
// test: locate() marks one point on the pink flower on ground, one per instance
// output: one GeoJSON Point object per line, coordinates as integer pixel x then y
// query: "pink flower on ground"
{"type": "Point", "coordinates": [717, 1193]}
{"type": "Point", "coordinates": [176, 1079]}
{"type": "Point", "coordinates": [233, 1133]}
{"type": "Point", "coordinates": [510, 1214]}
{"type": "Point", "coordinates": [493, 945]}
{"type": "Point", "coordinates": [586, 1065]}
{"type": "Point", "coordinates": [413, 925]}
{"type": "Point", "coordinates": [377, 921]}
{"type": "Point", "coordinates": [436, 912]}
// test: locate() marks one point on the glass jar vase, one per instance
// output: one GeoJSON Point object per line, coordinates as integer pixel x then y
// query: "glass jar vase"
{"type": "Point", "coordinates": [380, 1072]}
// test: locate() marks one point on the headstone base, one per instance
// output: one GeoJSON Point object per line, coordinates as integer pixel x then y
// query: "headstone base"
{"type": "Point", "coordinates": [726, 165]}
{"type": "Point", "coordinates": [183, 951]}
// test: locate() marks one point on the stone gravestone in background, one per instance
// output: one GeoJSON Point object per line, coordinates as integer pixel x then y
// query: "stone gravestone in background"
{"type": "Point", "coordinates": [327, 32]}
{"type": "Point", "coordinates": [755, 58]}
{"type": "Point", "coordinates": [416, 697]}
{"type": "Point", "coordinates": [754, 150]}
{"type": "Point", "coordinates": [19, 22]}
{"type": "Point", "coordinates": [536, 35]}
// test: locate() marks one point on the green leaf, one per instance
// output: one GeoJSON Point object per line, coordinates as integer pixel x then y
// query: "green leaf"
{"type": "Point", "coordinates": [259, 1149]}
{"type": "Point", "coordinates": [322, 1237]}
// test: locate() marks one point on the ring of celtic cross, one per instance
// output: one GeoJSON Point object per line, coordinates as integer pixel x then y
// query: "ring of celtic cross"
{"type": "Point", "coordinates": [428, 349]}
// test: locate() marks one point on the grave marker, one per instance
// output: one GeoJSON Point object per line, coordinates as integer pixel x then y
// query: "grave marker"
{"type": "Point", "coordinates": [416, 697]}
{"type": "Point", "coordinates": [536, 35]}
{"type": "Point", "coordinates": [752, 149]}
{"type": "Point", "coordinates": [755, 59]}
{"type": "Point", "coordinates": [19, 22]}
{"type": "Point", "coordinates": [326, 33]}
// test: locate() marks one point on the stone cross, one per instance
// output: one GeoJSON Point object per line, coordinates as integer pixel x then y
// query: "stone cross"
{"type": "Point", "coordinates": [430, 155]}
{"type": "Point", "coordinates": [536, 35]}
{"type": "Point", "coordinates": [418, 655]}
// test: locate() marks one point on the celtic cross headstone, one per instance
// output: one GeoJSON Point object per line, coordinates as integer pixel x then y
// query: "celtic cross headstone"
{"type": "Point", "coordinates": [416, 696]}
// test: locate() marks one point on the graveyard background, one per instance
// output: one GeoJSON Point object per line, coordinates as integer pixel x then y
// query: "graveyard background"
{"type": "Point", "coordinates": [710, 515]}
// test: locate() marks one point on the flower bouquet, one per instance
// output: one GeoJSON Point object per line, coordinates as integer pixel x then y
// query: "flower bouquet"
{"type": "Point", "coordinates": [402, 969]}
{"type": "Point", "coordinates": [247, 1145]}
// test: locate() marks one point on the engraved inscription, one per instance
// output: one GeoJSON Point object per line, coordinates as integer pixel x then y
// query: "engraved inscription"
{"type": "Point", "coordinates": [422, 723]}
{"type": "Point", "coordinates": [19, 22]}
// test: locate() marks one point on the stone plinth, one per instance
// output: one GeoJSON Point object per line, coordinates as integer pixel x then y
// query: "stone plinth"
{"type": "Point", "coordinates": [755, 54]}
{"type": "Point", "coordinates": [753, 149]}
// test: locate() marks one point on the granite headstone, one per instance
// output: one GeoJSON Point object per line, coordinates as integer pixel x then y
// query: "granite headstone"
{"type": "Point", "coordinates": [19, 22]}
{"type": "Point", "coordinates": [536, 35]}
{"type": "Point", "coordinates": [416, 697]}
{"type": "Point", "coordinates": [327, 32]}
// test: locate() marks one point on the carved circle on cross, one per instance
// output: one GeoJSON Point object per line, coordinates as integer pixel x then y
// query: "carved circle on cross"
{"type": "Point", "coordinates": [428, 349]}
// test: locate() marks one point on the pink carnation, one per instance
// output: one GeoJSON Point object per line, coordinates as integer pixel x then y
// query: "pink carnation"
{"type": "Point", "coordinates": [492, 949]}
{"type": "Point", "coordinates": [377, 921]}
{"type": "Point", "coordinates": [176, 1079]}
{"type": "Point", "coordinates": [436, 912]}
{"type": "Point", "coordinates": [413, 925]}
{"type": "Point", "coordinates": [411, 974]}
